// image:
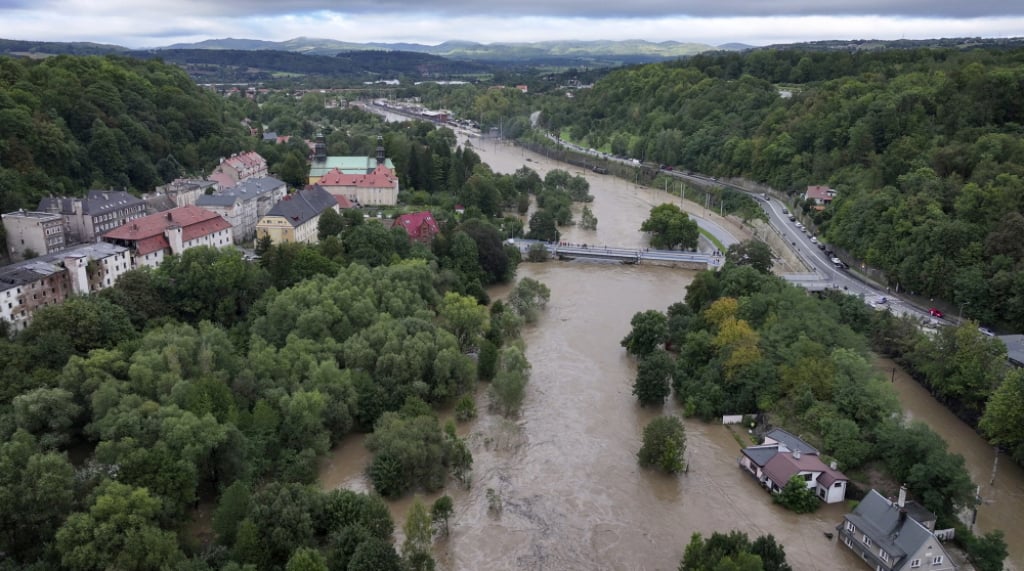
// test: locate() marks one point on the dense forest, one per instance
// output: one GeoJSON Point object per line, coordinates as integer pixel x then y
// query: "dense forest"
{"type": "Point", "coordinates": [68, 124]}
{"type": "Point", "coordinates": [923, 146]}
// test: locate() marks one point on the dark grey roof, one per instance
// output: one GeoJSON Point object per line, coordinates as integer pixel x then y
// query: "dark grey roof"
{"type": "Point", "coordinates": [791, 441]}
{"type": "Point", "coordinates": [879, 519]}
{"type": "Point", "coordinates": [761, 454]}
{"type": "Point", "coordinates": [216, 200]}
{"type": "Point", "coordinates": [26, 272]}
{"type": "Point", "coordinates": [159, 203]}
{"type": "Point", "coordinates": [919, 513]}
{"type": "Point", "coordinates": [96, 202]}
{"type": "Point", "coordinates": [269, 136]}
{"type": "Point", "coordinates": [303, 205]}
{"type": "Point", "coordinates": [247, 188]}
{"type": "Point", "coordinates": [1014, 348]}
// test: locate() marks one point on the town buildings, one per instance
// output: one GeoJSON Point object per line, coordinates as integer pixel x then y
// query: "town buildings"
{"type": "Point", "coordinates": [33, 232]}
{"type": "Point", "coordinates": [152, 238]}
{"type": "Point", "coordinates": [50, 279]}
{"type": "Point", "coordinates": [296, 218]}
{"type": "Point", "coordinates": [241, 166]}
{"type": "Point", "coordinates": [894, 535]}
{"type": "Point", "coordinates": [821, 195]}
{"type": "Point", "coordinates": [243, 204]}
{"type": "Point", "coordinates": [186, 191]}
{"type": "Point", "coordinates": [377, 188]}
{"type": "Point", "coordinates": [322, 164]}
{"type": "Point", "coordinates": [85, 219]}
{"type": "Point", "coordinates": [783, 455]}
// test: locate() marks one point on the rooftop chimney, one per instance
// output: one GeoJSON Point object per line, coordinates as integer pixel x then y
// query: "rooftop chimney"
{"type": "Point", "coordinates": [796, 454]}
{"type": "Point", "coordinates": [834, 465]}
{"type": "Point", "coordinates": [170, 216]}
{"type": "Point", "coordinates": [902, 502]}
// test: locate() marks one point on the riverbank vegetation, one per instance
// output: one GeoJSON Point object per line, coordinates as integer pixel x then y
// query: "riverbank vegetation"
{"type": "Point", "coordinates": [922, 146]}
{"type": "Point", "coordinates": [664, 445]}
{"type": "Point", "coordinates": [733, 550]}
{"type": "Point", "coordinates": [748, 342]}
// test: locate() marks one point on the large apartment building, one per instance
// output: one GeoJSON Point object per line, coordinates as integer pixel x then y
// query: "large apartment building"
{"type": "Point", "coordinates": [152, 238]}
{"type": "Point", "coordinates": [243, 204]}
{"type": "Point", "coordinates": [85, 219]}
{"type": "Point", "coordinates": [37, 233]}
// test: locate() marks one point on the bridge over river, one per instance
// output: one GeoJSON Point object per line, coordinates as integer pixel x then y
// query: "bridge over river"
{"type": "Point", "coordinates": [689, 260]}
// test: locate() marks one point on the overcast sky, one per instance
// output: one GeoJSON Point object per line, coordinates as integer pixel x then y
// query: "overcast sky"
{"type": "Point", "coordinates": [151, 23]}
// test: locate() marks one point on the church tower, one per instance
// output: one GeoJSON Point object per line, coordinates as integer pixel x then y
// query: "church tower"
{"type": "Point", "coordinates": [380, 150]}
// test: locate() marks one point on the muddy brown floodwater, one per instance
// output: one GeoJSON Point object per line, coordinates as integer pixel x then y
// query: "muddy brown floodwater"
{"type": "Point", "coordinates": [565, 469]}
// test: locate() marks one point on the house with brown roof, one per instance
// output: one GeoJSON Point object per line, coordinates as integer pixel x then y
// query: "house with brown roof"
{"type": "Point", "coordinates": [891, 536]}
{"type": "Point", "coordinates": [420, 226]}
{"type": "Point", "coordinates": [783, 455]}
{"type": "Point", "coordinates": [821, 195]}
{"type": "Point", "coordinates": [379, 187]}
{"type": "Point", "coordinates": [152, 238]}
{"type": "Point", "coordinates": [242, 166]}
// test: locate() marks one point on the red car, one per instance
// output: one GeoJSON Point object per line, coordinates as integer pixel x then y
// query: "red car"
{"type": "Point", "coordinates": [935, 313]}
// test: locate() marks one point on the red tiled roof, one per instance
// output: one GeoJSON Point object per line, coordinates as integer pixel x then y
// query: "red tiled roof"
{"type": "Point", "coordinates": [819, 192]}
{"type": "Point", "coordinates": [418, 225]}
{"type": "Point", "coordinates": [343, 202]}
{"type": "Point", "coordinates": [784, 466]}
{"type": "Point", "coordinates": [380, 177]}
{"type": "Point", "coordinates": [222, 178]}
{"type": "Point", "coordinates": [148, 232]}
{"type": "Point", "coordinates": [249, 159]}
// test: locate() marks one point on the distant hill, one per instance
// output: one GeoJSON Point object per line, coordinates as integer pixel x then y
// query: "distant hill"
{"type": "Point", "coordinates": [871, 45]}
{"type": "Point", "coordinates": [736, 47]}
{"type": "Point", "coordinates": [41, 49]}
{"type": "Point", "coordinates": [215, 65]}
{"type": "Point", "coordinates": [585, 52]}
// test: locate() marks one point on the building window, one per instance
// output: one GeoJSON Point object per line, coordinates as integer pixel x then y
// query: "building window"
{"type": "Point", "coordinates": [883, 555]}
{"type": "Point", "coordinates": [867, 541]}
{"type": "Point", "coordinates": [937, 560]}
{"type": "Point", "coordinates": [837, 484]}
{"type": "Point", "coordinates": [915, 563]}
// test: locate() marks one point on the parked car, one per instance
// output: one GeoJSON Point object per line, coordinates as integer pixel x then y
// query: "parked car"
{"type": "Point", "coordinates": [791, 217]}
{"type": "Point", "coordinates": [821, 246]}
{"type": "Point", "coordinates": [814, 239]}
{"type": "Point", "coordinates": [986, 331]}
{"type": "Point", "coordinates": [785, 211]}
{"type": "Point", "coordinates": [935, 313]}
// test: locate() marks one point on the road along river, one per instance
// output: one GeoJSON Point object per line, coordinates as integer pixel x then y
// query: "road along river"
{"type": "Point", "coordinates": [565, 469]}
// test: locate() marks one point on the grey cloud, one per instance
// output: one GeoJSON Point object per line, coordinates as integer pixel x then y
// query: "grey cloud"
{"type": "Point", "coordinates": [640, 8]}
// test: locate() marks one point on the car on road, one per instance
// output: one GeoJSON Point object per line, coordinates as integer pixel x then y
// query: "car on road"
{"type": "Point", "coordinates": [986, 331]}
{"type": "Point", "coordinates": [785, 211]}
{"type": "Point", "coordinates": [821, 246]}
{"type": "Point", "coordinates": [791, 217]}
{"type": "Point", "coordinates": [814, 239]}
{"type": "Point", "coordinates": [935, 313]}
{"type": "Point", "coordinates": [838, 264]}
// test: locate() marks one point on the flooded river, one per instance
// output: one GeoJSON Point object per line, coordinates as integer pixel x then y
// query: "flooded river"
{"type": "Point", "coordinates": [565, 469]}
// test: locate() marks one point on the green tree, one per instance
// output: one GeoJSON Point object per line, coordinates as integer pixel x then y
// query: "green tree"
{"type": "Point", "coordinates": [330, 224]}
{"type": "Point", "coordinates": [465, 408]}
{"type": "Point", "coordinates": [119, 531]}
{"type": "Point", "coordinates": [440, 512]}
{"type": "Point", "coordinates": [543, 226]}
{"type": "Point", "coordinates": [416, 547]}
{"type": "Point", "coordinates": [753, 253]}
{"type": "Point", "coordinates": [796, 496]}
{"type": "Point", "coordinates": [528, 298]}
{"type": "Point", "coordinates": [464, 318]}
{"type": "Point", "coordinates": [49, 414]}
{"type": "Point", "coordinates": [37, 492]}
{"type": "Point", "coordinates": [232, 509]}
{"type": "Point", "coordinates": [987, 552]}
{"type": "Point", "coordinates": [649, 330]}
{"type": "Point", "coordinates": [664, 445]}
{"type": "Point", "coordinates": [670, 228]}
{"type": "Point", "coordinates": [653, 378]}
{"type": "Point", "coordinates": [587, 219]}
{"type": "Point", "coordinates": [408, 453]}
{"type": "Point", "coordinates": [306, 559]}
{"type": "Point", "coordinates": [508, 389]}
{"type": "Point", "coordinates": [375, 555]}
{"type": "Point", "coordinates": [1003, 421]}
{"type": "Point", "coordinates": [249, 547]}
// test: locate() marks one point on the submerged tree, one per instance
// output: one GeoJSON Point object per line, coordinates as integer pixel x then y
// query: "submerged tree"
{"type": "Point", "coordinates": [664, 445]}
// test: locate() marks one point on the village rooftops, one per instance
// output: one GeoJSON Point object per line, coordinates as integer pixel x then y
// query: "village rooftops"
{"type": "Point", "coordinates": [147, 233]}
{"type": "Point", "coordinates": [819, 193]}
{"type": "Point", "coordinates": [782, 467]}
{"type": "Point", "coordinates": [244, 190]}
{"type": "Point", "coordinates": [380, 177]}
{"type": "Point", "coordinates": [303, 205]}
{"type": "Point", "coordinates": [347, 165]}
{"type": "Point", "coordinates": [95, 203]}
{"type": "Point", "coordinates": [29, 271]}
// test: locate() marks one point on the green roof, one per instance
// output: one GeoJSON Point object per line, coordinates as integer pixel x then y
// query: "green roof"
{"type": "Point", "coordinates": [347, 165]}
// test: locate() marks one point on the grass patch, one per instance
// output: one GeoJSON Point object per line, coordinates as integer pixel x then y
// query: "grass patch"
{"type": "Point", "coordinates": [718, 243]}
